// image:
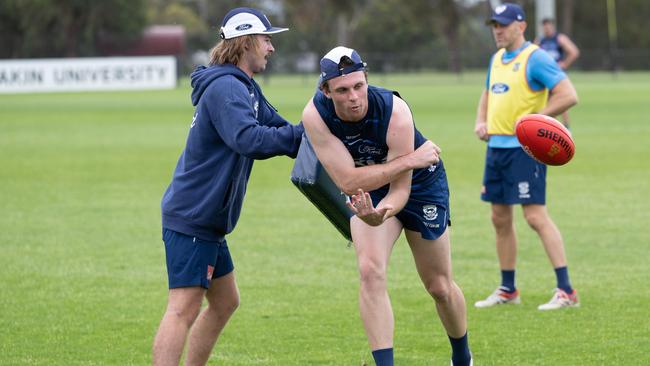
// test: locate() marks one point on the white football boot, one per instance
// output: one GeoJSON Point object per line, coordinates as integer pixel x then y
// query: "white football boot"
{"type": "Point", "coordinates": [561, 299]}
{"type": "Point", "coordinates": [499, 297]}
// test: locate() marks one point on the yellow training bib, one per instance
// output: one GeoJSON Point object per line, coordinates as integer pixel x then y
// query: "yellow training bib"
{"type": "Point", "coordinates": [509, 95]}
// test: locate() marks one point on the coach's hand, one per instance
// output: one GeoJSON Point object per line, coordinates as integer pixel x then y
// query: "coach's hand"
{"type": "Point", "coordinates": [426, 155]}
{"type": "Point", "coordinates": [361, 205]}
{"type": "Point", "coordinates": [480, 129]}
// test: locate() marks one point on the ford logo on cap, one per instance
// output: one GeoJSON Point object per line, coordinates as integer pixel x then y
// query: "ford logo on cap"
{"type": "Point", "coordinates": [243, 27]}
{"type": "Point", "coordinates": [245, 21]}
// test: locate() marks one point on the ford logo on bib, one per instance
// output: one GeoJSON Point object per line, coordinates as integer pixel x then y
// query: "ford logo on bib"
{"type": "Point", "coordinates": [500, 88]}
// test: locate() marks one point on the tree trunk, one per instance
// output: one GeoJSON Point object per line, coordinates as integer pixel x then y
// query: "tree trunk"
{"type": "Point", "coordinates": [567, 16]}
{"type": "Point", "coordinates": [451, 23]}
{"type": "Point", "coordinates": [342, 29]}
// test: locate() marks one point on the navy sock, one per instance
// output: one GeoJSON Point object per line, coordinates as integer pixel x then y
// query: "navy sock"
{"type": "Point", "coordinates": [508, 280]}
{"type": "Point", "coordinates": [383, 357]}
{"type": "Point", "coordinates": [562, 274]}
{"type": "Point", "coordinates": [460, 355]}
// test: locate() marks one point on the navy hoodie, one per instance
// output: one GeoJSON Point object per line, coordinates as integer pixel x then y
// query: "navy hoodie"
{"type": "Point", "coordinates": [233, 124]}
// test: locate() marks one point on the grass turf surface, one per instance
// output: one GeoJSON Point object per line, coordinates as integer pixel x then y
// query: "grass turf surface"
{"type": "Point", "coordinates": [82, 272]}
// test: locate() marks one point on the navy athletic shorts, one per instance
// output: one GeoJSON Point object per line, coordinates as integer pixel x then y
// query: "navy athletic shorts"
{"type": "Point", "coordinates": [194, 262]}
{"type": "Point", "coordinates": [427, 209]}
{"type": "Point", "coordinates": [512, 177]}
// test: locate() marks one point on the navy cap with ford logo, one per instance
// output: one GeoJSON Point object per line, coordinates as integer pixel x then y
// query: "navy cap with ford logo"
{"type": "Point", "coordinates": [506, 13]}
{"type": "Point", "coordinates": [243, 21]}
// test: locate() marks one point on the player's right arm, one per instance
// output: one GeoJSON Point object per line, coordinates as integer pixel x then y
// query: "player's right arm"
{"type": "Point", "coordinates": [339, 163]}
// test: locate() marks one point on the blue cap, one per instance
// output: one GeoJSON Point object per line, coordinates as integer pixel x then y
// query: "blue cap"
{"type": "Point", "coordinates": [329, 64]}
{"type": "Point", "coordinates": [243, 21]}
{"type": "Point", "coordinates": [507, 13]}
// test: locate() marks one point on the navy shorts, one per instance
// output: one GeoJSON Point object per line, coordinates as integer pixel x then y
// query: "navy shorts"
{"type": "Point", "coordinates": [194, 262]}
{"type": "Point", "coordinates": [427, 209]}
{"type": "Point", "coordinates": [512, 177]}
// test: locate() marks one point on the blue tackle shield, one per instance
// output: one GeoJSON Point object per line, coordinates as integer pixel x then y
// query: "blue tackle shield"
{"type": "Point", "coordinates": [312, 180]}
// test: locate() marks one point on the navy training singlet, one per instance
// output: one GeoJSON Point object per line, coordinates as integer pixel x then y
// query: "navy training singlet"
{"type": "Point", "coordinates": [366, 140]}
{"type": "Point", "coordinates": [552, 46]}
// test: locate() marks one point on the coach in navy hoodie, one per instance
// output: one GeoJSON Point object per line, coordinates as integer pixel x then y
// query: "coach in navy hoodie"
{"type": "Point", "coordinates": [233, 125]}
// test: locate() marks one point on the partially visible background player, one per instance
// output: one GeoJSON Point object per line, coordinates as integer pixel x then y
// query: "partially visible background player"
{"type": "Point", "coordinates": [521, 80]}
{"type": "Point", "coordinates": [561, 48]}
{"type": "Point", "coordinates": [233, 125]}
{"type": "Point", "coordinates": [358, 131]}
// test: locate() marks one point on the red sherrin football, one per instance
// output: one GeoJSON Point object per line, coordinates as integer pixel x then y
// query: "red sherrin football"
{"type": "Point", "coordinates": [545, 139]}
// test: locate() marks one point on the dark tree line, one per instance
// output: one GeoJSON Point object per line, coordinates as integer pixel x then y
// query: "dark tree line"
{"type": "Point", "coordinates": [393, 34]}
{"type": "Point", "coordinates": [66, 28]}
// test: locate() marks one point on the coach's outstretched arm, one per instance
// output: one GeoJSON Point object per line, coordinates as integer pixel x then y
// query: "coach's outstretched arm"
{"type": "Point", "coordinates": [257, 134]}
{"type": "Point", "coordinates": [339, 164]}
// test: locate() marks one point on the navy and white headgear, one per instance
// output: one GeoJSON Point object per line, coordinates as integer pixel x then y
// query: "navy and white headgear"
{"type": "Point", "coordinates": [242, 21]}
{"type": "Point", "coordinates": [329, 64]}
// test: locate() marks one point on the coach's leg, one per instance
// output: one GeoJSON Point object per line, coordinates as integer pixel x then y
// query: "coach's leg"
{"type": "Point", "coordinates": [183, 307]}
{"type": "Point", "coordinates": [538, 219]}
{"type": "Point", "coordinates": [506, 238]}
{"type": "Point", "coordinates": [433, 263]}
{"type": "Point", "coordinates": [373, 246]}
{"type": "Point", "coordinates": [223, 300]}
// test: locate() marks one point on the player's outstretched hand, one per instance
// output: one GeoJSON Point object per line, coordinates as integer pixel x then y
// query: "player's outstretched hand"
{"type": "Point", "coordinates": [361, 205]}
{"type": "Point", "coordinates": [426, 155]}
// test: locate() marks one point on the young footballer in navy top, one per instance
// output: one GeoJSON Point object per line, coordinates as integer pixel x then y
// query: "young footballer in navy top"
{"type": "Point", "coordinates": [561, 48]}
{"type": "Point", "coordinates": [233, 125]}
{"type": "Point", "coordinates": [363, 136]}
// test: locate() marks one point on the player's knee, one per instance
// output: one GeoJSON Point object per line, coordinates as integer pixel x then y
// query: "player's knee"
{"type": "Point", "coordinates": [535, 220]}
{"type": "Point", "coordinates": [371, 274]}
{"type": "Point", "coordinates": [225, 305]}
{"type": "Point", "coordinates": [186, 314]}
{"type": "Point", "coordinates": [501, 222]}
{"type": "Point", "coordinates": [439, 288]}
{"type": "Point", "coordinates": [231, 305]}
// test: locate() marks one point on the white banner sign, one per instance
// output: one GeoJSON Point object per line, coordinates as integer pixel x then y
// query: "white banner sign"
{"type": "Point", "coordinates": [82, 74]}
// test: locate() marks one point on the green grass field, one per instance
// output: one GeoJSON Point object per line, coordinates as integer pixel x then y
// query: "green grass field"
{"type": "Point", "coordinates": [82, 273]}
